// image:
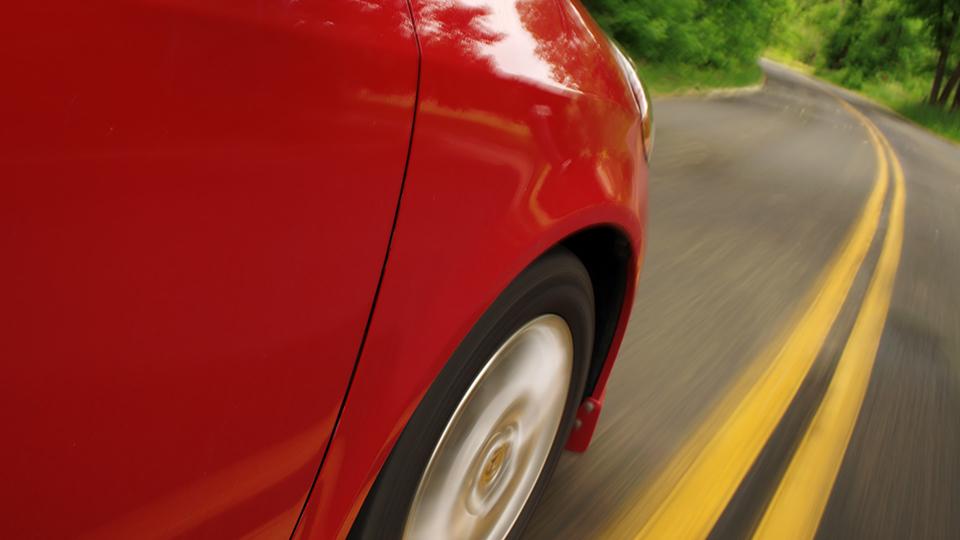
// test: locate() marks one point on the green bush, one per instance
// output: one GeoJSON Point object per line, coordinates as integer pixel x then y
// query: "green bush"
{"type": "Point", "coordinates": [876, 37]}
{"type": "Point", "coordinates": [714, 34]}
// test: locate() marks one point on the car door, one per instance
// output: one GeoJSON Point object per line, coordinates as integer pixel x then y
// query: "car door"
{"type": "Point", "coordinates": [196, 198]}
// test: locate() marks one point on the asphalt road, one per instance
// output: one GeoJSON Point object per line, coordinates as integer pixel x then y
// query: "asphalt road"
{"type": "Point", "coordinates": [757, 204]}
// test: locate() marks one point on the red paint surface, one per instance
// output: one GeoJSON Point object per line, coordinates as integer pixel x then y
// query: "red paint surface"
{"type": "Point", "coordinates": [526, 133]}
{"type": "Point", "coordinates": [195, 203]}
{"type": "Point", "coordinates": [588, 415]}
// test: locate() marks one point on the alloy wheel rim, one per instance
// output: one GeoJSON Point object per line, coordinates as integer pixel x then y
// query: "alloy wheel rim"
{"type": "Point", "coordinates": [497, 441]}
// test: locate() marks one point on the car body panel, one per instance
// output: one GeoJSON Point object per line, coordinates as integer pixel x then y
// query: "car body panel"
{"type": "Point", "coordinates": [526, 133]}
{"type": "Point", "coordinates": [195, 207]}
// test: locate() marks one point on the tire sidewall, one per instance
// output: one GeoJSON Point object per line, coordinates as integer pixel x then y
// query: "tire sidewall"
{"type": "Point", "coordinates": [557, 284]}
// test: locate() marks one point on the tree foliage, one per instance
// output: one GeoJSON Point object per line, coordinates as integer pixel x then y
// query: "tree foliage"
{"type": "Point", "coordinates": [880, 40]}
{"type": "Point", "coordinates": [703, 33]}
{"type": "Point", "coordinates": [877, 37]}
{"type": "Point", "coordinates": [942, 18]}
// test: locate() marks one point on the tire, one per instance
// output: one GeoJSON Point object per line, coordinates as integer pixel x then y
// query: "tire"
{"type": "Point", "coordinates": [520, 333]}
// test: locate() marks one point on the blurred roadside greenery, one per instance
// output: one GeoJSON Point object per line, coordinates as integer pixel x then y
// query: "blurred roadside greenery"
{"type": "Point", "coordinates": [902, 53]}
{"type": "Point", "coordinates": [684, 45]}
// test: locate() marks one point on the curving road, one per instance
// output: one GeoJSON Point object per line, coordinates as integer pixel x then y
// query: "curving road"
{"type": "Point", "coordinates": [792, 368]}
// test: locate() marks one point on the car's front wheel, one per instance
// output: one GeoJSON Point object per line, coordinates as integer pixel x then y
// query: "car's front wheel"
{"type": "Point", "coordinates": [476, 454]}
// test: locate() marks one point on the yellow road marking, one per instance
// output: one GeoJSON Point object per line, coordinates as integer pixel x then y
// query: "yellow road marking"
{"type": "Point", "coordinates": [694, 488]}
{"type": "Point", "coordinates": [800, 499]}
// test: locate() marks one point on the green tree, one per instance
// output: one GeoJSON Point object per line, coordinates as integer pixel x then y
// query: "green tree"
{"type": "Point", "coordinates": [703, 33]}
{"type": "Point", "coordinates": [839, 44]}
{"type": "Point", "coordinates": [943, 18]}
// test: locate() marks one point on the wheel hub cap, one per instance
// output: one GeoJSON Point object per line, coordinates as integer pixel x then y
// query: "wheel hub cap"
{"type": "Point", "coordinates": [495, 445]}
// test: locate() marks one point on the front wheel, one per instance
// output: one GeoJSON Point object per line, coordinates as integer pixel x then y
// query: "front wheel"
{"type": "Point", "coordinates": [476, 455]}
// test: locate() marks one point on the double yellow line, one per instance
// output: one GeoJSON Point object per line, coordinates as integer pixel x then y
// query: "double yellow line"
{"type": "Point", "coordinates": [692, 492]}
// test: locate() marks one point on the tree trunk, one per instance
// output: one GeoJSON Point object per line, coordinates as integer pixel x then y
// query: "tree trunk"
{"type": "Point", "coordinates": [837, 50]}
{"type": "Point", "coordinates": [956, 100]}
{"type": "Point", "coordinates": [950, 86]}
{"type": "Point", "coordinates": [943, 48]}
{"type": "Point", "coordinates": [938, 76]}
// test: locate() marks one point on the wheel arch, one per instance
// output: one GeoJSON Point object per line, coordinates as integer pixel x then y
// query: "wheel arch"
{"type": "Point", "coordinates": [606, 253]}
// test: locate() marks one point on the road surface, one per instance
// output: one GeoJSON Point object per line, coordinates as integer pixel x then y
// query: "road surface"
{"type": "Point", "coordinates": [792, 367]}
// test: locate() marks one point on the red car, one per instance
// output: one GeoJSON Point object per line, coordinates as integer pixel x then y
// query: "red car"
{"type": "Point", "coordinates": [308, 268]}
